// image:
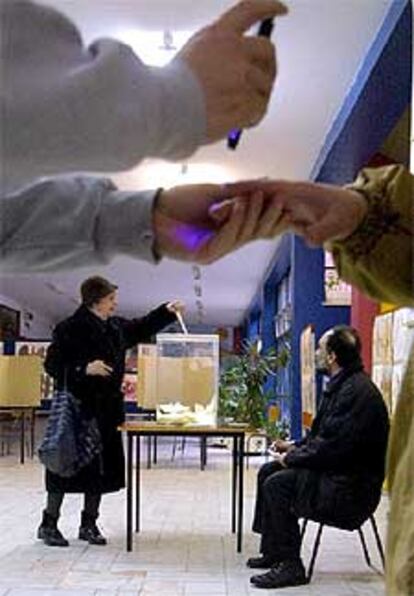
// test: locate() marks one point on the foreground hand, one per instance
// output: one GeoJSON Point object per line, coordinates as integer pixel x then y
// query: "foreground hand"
{"type": "Point", "coordinates": [186, 229]}
{"type": "Point", "coordinates": [236, 72]}
{"type": "Point", "coordinates": [176, 306]}
{"type": "Point", "coordinates": [98, 368]}
{"type": "Point", "coordinates": [318, 212]}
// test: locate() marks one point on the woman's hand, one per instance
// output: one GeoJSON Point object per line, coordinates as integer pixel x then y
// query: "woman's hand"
{"type": "Point", "coordinates": [98, 368]}
{"type": "Point", "coordinates": [176, 306]}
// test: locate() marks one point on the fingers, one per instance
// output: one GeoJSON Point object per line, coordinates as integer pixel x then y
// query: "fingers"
{"type": "Point", "coordinates": [220, 212]}
{"type": "Point", "coordinates": [225, 239]}
{"type": "Point", "coordinates": [272, 223]}
{"type": "Point", "coordinates": [261, 52]}
{"type": "Point", "coordinates": [176, 306]}
{"type": "Point", "coordinates": [260, 83]}
{"type": "Point", "coordinates": [248, 12]}
{"type": "Point", "coordinates": [246, 187]}
{"type": "Point", "coordinates": [253, 213]}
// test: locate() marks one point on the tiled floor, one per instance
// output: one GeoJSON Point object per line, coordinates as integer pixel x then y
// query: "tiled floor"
{"type": "Point", "coordinates": [185, 548]}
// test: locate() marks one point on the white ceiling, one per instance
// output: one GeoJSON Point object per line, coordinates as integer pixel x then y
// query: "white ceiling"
{"type": "Point", "coordinates": [321, 45]}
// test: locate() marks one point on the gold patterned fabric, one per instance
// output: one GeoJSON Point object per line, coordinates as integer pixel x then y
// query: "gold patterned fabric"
{"type": "Point", "coordinates": [378, 259]}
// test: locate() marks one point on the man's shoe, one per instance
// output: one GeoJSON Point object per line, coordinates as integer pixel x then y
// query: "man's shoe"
{"type": "Point", "coordinates": [262, 562]}
{"type": "Point", "coordinates": [281, 575]}
{"type": "Point", "coordinates": [92, 535]}
{"type": "Point", "coordinates": [49, 532]}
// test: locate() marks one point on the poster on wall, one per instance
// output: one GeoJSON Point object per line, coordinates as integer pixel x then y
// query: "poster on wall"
{"type": "Point", "coordinates": [307, 376]}
{"type": "Point", "coordinates": [382, 376]}
{"type": "Point", "coordinates": [337, 292]}
{"type": "Point", "coordinates": [382, 349]}
{"type": "Point", "coordinates": [38, 348]}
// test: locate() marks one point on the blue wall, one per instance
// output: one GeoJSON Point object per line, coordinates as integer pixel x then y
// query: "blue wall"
{"type": "Point", "coordinates": [376, 101]}
{"type": "Point", "coordinates": [308, 308]}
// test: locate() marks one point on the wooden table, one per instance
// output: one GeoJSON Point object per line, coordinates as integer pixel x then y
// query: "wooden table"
{"type": "Point", "coordinates": [135, 430]}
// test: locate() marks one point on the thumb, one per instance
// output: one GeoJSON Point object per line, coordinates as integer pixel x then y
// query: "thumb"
{"type": "Point", "coordinates": [220, 212]}
{"type": "Point", "coordinates": [248, 12]}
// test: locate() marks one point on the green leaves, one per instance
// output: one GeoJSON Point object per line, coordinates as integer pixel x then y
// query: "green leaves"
{"type": "Point", "coordinates": [241, 394]}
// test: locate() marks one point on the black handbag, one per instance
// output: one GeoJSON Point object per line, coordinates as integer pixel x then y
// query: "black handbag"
{"type": "Point", "coordinates": [71, 441]}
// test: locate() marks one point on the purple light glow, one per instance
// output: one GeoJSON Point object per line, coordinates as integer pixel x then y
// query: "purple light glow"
{"type": "Point", "coordinates": [192, 238]}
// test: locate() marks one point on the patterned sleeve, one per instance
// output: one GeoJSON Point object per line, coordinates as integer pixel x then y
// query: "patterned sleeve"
{"type": "Point", "coordinates": [378, 257]}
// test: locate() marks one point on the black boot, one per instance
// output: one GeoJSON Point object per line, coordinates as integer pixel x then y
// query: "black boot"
{"type": "Point", "coordinates": [282, 575]}
{"type": "Point", "coordinates": [262, 562]}
{"type": "Point", "coordinates": [89, 531]}
{"type": "Point", "coordinates": [49, 532]}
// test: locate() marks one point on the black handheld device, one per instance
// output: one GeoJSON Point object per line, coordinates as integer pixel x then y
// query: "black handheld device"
{"type": "Point", "coordinates": [265, 30]}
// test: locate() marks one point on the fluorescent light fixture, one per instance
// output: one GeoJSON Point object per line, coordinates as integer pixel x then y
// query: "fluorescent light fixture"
{"type": "Point", "coordinates": [155, 173]}
{"type": "Point", "coordinates": [151, 46]}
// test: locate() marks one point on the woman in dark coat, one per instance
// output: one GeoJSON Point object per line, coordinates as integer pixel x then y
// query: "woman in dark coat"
{"type": "Point", "coordinates": [87, 357]}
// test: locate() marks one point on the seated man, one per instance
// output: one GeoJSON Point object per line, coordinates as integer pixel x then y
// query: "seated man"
{"type": "Point", "coordinates": [334, 475]}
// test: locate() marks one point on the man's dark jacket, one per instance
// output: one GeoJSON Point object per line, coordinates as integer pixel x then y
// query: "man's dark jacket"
{"type": "Point", "coordinates": [343, 457]}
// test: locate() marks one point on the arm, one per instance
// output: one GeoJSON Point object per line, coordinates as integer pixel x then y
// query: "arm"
{"type": "Point", "coordinates": [52, 112]}
{"type": "Point", "coordinates": [140, 330]}
{"type": "Point", "coordinates": [70, 108]}
{"type": "Point", "coordinates": [378, 256]}
{"type": "Point", "coordinates": [340, 436]}
{"type": "Point", "coordinates": [62, 360]}
{"type": "Point", "coordinates": [68, 222]}
{"type": "Point", "coordinates": [73, 221]}
{"type": "Point", "coordinates": [369, 226]}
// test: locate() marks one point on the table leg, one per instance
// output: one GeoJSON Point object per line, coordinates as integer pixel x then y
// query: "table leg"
{"type": "Point", "coordinates": [234, 486]}
{"type": "Point", "coordinates": [149, 445]}
{"type": "Point", "coordinates": [203, 452]}
{"type": "Point", "coordinates": [129, 492]}
{"type": "Point", "coordinates": [138, 481]}
{"type": "Point", "coordinates": [22, 436]}
{"type": "Point", "coordinates": [241, 495]}
{"type": "Point", "coordinates": [155, 450]}
{"type": "Point", "coordinates": [32, 432]}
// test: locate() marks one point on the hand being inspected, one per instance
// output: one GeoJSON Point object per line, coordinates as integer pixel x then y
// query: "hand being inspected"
{"type": "Point", "coordinates": [186, 226]}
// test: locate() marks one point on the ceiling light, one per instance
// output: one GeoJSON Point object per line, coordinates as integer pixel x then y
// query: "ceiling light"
{"type": "Point", "coordinates": [156, 48]}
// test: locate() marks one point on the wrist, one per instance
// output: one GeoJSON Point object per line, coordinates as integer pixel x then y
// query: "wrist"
{"type": "Point", "coordinates": [360, 209]}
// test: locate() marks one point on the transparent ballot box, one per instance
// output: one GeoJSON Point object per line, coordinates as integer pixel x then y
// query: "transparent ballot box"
{"type": "Point", "coordinates": [179, 377]}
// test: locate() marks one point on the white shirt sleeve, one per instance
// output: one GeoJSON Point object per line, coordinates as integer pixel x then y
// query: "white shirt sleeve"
{"type": "Point", "coordinates": [73, 221]}
{"type": "Point", "coordinates": [68, 108]}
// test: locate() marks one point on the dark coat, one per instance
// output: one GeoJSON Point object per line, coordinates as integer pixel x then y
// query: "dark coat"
{"type": "Point", "coordinates": [78, 340]}
{"type": "Point", "coordinates": [342, 460]}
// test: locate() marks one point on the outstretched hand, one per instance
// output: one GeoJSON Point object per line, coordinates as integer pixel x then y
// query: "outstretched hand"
{"type": "Point", "coordinates": [318, 212]}
{"type": "Point", "coordinates": [190, 226]}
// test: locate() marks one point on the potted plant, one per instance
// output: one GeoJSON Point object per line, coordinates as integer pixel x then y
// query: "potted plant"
{"type": "Point", "coordinates": [242, 398]}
